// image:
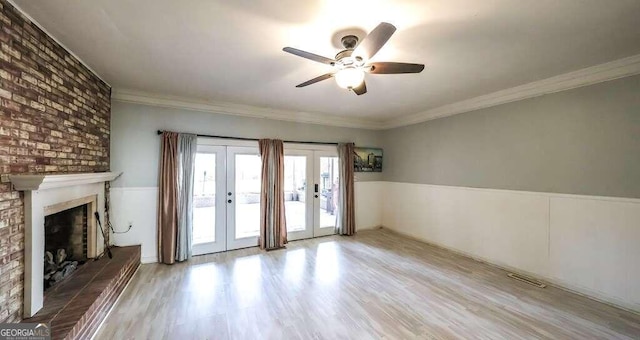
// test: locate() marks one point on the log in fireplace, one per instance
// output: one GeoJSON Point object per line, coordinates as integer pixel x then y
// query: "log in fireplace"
{"type": "Point", "coordinates": [65, 243]}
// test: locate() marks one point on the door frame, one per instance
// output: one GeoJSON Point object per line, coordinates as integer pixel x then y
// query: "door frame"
{"type": "Point", "coordinates": [232, 241]}
{"type": "Point", "coordinates": [308, 230]}
{"type": "Point", "coordinates": [224, 232]}
{"type": "Point", "coordinates": [316, 151]}
{"type": "Point", "coordinates": [319, 230]}
{"type": "Point", "coordinates": [220, 228]}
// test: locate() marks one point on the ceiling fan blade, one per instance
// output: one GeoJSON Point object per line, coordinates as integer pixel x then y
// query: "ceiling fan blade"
{"type": "Point", "coordinates": [309, 56]}
{"type": "Point", "coordinates": [394, 68]}
{"type": "Point", "coordinates": [361, 89]}
{"type": "Point", "coordinates": [373, 42]}
{"type": "Point", "coordinates": [316, 79]}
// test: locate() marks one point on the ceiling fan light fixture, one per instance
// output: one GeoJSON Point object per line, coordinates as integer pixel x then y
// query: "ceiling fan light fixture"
{"type": "Point", "coordinates": [349, 77]}
{"type": "Point", "coordinates": [351, 63]}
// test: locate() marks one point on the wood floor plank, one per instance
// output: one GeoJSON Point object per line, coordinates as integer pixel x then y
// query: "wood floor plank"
{"type": "Point", "coordinates": [375, 285]}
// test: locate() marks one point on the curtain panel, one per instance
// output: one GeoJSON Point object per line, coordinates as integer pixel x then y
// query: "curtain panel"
{"type": "Point", "coordinates": [175, 196]}
{"type": "Point", "coordinates": [273, 227]}
{"type": "Point", "coordinates": [187, 148]}
{"type": "Point", "coordinates": [346, 220]}
{"type": "Point", "coordinates": [168, 198]}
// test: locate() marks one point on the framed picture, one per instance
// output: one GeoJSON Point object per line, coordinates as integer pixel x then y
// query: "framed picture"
{"type": "Point", "coordinates": [367, 160]}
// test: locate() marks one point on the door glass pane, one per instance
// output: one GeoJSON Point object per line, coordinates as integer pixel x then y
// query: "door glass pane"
{"type": "Point", "coordinates": [295, 185]}
{"type": "Point", "coordinates": [247, 195]}
{"type": "Point", "coordinates": [204, 200]}
{"type": "Point", "coordinates": [328, 191]}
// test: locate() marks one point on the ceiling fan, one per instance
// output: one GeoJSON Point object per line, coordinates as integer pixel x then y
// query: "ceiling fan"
{"type": "Point", "coordinates": [351, 64]}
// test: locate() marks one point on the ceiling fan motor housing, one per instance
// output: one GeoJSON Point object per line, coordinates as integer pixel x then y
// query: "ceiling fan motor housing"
{"type": "Point", "coordinates": [349, 41]}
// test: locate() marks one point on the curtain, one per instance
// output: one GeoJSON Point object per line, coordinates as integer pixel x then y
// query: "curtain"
{"type": "Point", "coordinates": [168, 198]}
{"type": "Point", "coordinates": [346, 219]}
{"type": "Point", "coordinates": [187, 147]}
{"type": "Point", "coordinates": [273, 227]}
{"type": "Point", "coordinates": [175, 196]}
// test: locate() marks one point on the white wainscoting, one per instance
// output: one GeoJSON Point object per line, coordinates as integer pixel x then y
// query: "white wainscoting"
{"type": "Point", "coordinates": [587, 244]}
{"type": "Point", "coordinates": [138, 206]}
{"type": "Point", "coordinates": [368, 198]}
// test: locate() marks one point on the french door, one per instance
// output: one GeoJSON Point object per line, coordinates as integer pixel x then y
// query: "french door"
{"type": "Point", "coordinates": [311, 192]}
{"type": "Point", "coordinates": [209, 202]}
{"type": "Point", "coordinates": [227, 182]}
{"type": "Point", "coordinates": [244, 169]}
{"type": "Point", "coordinates": [226, 213]}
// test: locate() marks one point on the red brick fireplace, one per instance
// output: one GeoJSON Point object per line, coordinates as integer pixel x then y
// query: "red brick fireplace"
{"type": "Point", "coordinates": [55, 119]}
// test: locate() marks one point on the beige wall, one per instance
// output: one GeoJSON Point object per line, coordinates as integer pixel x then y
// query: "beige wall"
{"type": "Point", "coordinates": [136, 146]}
{"type": "Point", "coordinates": [582, 141]}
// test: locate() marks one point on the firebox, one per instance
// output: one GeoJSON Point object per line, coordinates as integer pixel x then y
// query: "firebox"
{"type": "Point", "coordinates": [65, 243]}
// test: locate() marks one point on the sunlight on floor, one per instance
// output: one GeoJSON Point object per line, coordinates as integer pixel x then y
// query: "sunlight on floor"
{"type": "Point", "coordinates": [327, 268]}
{"type": "Point", "coordinates": [246, 280]}
{"type": "Point", "coordinates": [295, 266]}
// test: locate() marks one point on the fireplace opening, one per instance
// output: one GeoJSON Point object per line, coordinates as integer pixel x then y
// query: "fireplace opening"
{"type": "Point", "coordinates": [65, 239]}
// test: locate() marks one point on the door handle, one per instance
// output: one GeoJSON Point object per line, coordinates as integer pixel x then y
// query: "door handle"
{"type": "Point", "coordinates": [229, 193]}
{"type": "Point", "coordinates": [316, 196]}
{"type": "Point", "coordinates": [228, 201]}
{"type": "Point", "coordinates": [316, 189]}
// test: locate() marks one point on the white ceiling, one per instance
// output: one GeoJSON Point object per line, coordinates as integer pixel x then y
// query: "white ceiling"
{"type": "Point", "coordinates": [231, 51]}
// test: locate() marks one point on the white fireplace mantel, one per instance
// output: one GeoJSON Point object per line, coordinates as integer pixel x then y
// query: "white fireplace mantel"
{"type": "Point", "coordinates": [42, 182]}
{"type": "Point", "coordinates": [42, 194]}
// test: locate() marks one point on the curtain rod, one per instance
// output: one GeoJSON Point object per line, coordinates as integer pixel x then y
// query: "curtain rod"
{"type": "Point", "coordinates": [257, 139]}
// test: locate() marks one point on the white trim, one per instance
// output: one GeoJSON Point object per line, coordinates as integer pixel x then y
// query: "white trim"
{"type": "Point", "coordinates": [534, 193]}
{"type": "Point", "coordinates": [113, 188]}
{"type": "Point", "coordinates": [35, 22]}
{"type": "Point", "coordinates": [42, 182]}
{"type": "Point", "coordinates": [287, 145]}
{"type": "Point", "coordinates": [212, 141]}
{"type": "Point", "coordinates": [313, 147]}
{"type": "Point", "coordinates": [148, 259]}
{"type": "Point", "coordinates": [175, 102]}
{"type": "Point", "coordinates": [587, 76]}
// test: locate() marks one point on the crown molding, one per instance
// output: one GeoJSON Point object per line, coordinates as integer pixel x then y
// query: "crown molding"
{"type": "Point", "coordinates": [587, 76]}
{"type": "Point", "coordinates": [175, 102]}
{"type": "Point", "coordinates": [35, 22]}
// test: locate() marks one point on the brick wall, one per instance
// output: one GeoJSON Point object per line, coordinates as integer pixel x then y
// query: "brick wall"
{"type": "Point", "coordinates": [54, 118]}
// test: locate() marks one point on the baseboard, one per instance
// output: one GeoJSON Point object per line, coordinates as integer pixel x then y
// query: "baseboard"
{"type": "Point", "coordinates": [148, 259]}
{"type": "Point", "coordinates": [585, 292]}
{"type": "Point", "coordinates": [373, 227]}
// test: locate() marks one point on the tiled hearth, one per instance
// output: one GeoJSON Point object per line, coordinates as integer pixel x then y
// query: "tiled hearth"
{"type": "Point", "coordinates": [76, 306]}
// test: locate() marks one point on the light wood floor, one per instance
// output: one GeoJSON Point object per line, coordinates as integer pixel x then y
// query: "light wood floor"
{"type": "Point", "coordinates": [375, 285]}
